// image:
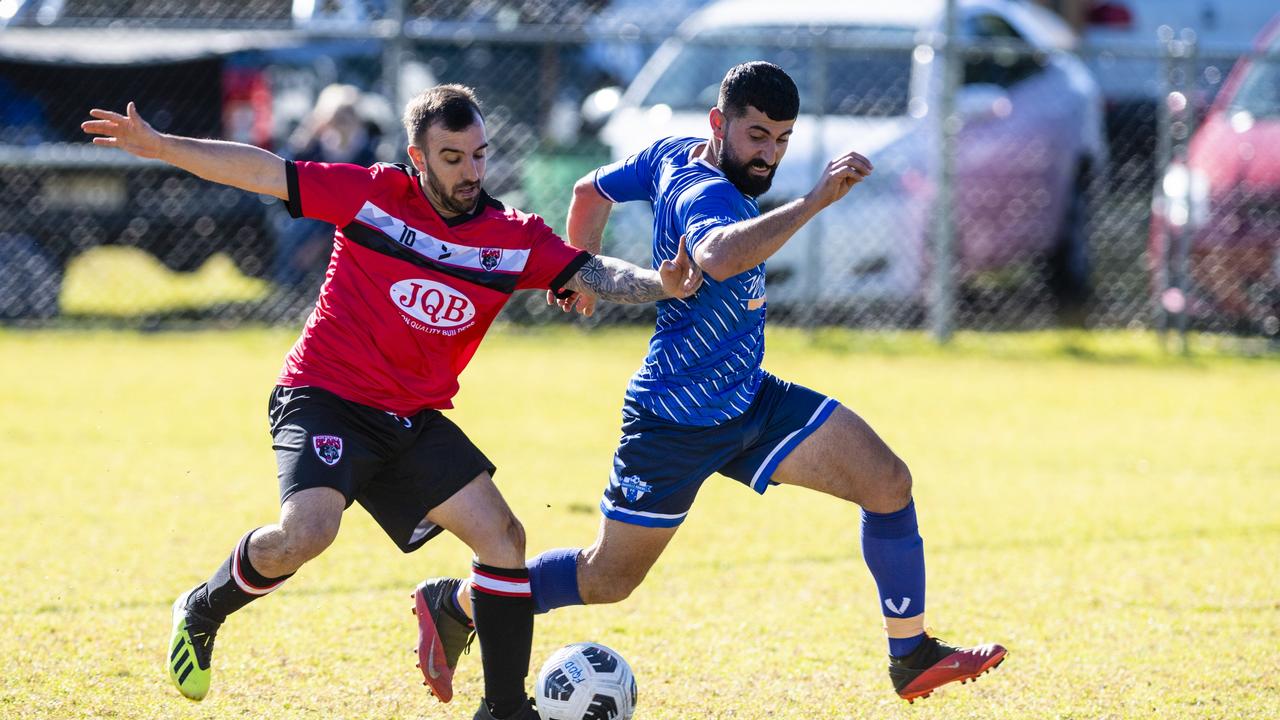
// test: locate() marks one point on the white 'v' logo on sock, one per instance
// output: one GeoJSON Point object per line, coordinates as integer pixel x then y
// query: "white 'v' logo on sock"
{"type": "Point", "coordinates": [898, 610]}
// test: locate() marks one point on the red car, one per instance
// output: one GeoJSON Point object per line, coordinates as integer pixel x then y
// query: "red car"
{"type": "Point", "coordinates": [1215, 222]}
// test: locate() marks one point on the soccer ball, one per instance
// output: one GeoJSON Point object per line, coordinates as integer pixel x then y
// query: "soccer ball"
{"type": "Point", "coordinates": [586, 681]}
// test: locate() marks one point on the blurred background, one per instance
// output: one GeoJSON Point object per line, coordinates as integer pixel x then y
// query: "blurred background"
{"type": "Point", "coordinates": [1060, 163]}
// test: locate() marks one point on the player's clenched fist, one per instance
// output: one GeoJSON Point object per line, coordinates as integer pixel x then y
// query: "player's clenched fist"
{"type": "Point", "coordinates": [128, 132]}
{"type": "Point", "coordinates": [681, 277]}
{"type": "Point", "coordinates": [839, 177]}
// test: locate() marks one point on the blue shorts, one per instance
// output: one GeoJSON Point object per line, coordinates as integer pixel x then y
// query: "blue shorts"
{"type": "Point", "coordinates": [659, 465]}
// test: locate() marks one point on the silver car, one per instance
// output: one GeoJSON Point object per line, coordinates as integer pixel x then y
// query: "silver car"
{"type": "Point", "coordinates": [1030, 145]}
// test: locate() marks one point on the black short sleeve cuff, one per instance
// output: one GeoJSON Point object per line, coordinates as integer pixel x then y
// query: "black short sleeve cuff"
{"type": "Point", "coordinates": [294, 203]}
{"type": "Point", "coordinates": [557, 285]}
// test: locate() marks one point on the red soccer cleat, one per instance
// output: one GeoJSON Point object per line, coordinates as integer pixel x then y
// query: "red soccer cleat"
{"type": "Point", "coordinates": [935, 663]}
{"type": "Point", "coordinates": [441, 637]}
{"type": "Point", "coordinates": [435, 671]}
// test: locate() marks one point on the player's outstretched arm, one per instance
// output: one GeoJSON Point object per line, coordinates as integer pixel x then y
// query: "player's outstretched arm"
{"type": "Point", "coordinates": [584, 229]}
{"type": "Point", "coordinates": [743, 245]}
{"type": "Point", "coordinates": [588, 215]}
{"type": "Point", "coordinates": [621, 282]}
{"type": "Point", "coordinates": [229, 163]}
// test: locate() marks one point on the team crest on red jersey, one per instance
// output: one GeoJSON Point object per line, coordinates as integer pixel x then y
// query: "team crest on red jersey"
{"type": "Point", "coordinates": [328, 448]}
{"type": "Point", "coordinates": [490, 257]}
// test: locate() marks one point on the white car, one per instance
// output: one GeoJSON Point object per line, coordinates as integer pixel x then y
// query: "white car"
{"type": "Point", "coordinates": [1124, 39]}
{"type": "Point", "coordinates": [1123, 43]}
{"type": "Point", "coordinates": [1032, 139]}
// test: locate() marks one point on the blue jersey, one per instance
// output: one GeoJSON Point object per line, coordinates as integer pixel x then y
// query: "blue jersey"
{"type": "Point", "coordinates": [703, 366]}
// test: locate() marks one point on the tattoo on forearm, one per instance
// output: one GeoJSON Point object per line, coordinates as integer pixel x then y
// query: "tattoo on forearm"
{"type": "Point", "coordinates": [617, 281]}
{"type": "Point", "coordinates": [592, 273]}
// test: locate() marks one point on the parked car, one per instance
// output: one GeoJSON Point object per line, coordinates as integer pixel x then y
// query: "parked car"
{"type": "Point", "coordinates": [60, 195]}
{"type": "Point", "coordinates": [223, 14]}
{"type": "Point", "coordinates": [1030, 146]}
{"type": "Point", "coordinates": [1124, 44]}
{"type": "Point", "coordinates": [1222, 204]}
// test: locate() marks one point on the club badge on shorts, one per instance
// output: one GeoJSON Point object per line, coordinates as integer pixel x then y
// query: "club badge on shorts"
{"type": "Point", "coordinates": [328, 448]}
{"type": "Point", "coordinates": [633, 488]}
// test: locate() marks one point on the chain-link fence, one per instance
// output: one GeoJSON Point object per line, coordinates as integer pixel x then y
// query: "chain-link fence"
{"type": "Point", "coordinates": [1066, 205]}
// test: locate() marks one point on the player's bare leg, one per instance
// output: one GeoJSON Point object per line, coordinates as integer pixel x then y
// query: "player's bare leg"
{"type": "Point", "coordinates": [499, 592]}
{"type": "Point", "coordinates": [618, 561]}
{"type": "Point", "coordinates": [262, 560]}
{"type": "Point", "coordinates": [845, 458]}
{"type": "Point", "coordinates": [309, 522]}
{"type": "Point", "coordinates": [614, 566]}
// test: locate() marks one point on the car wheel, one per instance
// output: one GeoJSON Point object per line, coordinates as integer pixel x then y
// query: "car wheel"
{"type": "Point", "coordinates": [1263, 315]}
{"type": "Point", "coordinates": [30, 279]}
{"type": "Point", "coordinates": [1068, 267]}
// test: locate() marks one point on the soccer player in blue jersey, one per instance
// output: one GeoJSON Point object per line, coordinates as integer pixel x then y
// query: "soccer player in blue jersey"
{"type": "Point", "coordinates": [701, 403]}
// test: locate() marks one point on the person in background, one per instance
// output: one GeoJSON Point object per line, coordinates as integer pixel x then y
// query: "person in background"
{"type": "Point", "coordinates": [334, 132]}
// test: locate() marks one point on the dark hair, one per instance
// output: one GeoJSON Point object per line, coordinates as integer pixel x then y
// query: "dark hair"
{"type": "Point", "coordinates": [454, 106]}
{"type": "Point", "coordinates": [762, 85]}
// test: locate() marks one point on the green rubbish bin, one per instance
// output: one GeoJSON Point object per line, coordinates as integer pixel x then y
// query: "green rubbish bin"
{"type": "Point", "coordinates": [548, 176]}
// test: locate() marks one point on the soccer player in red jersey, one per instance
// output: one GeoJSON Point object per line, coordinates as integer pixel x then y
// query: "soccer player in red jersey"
{"type": "Point", "coordinates": [423, 260]}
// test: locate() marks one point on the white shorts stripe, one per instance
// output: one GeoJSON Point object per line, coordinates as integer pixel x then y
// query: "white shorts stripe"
{"type": "Point", "coordinates": [659, 516]}
{"type": "Point", "coordinates": [424, 527]}
{"type": "Point", "coordinates": [755, 479]}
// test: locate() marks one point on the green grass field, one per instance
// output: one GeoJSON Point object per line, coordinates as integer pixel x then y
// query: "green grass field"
{"type": "Point", "coordinates": [1110, 514]}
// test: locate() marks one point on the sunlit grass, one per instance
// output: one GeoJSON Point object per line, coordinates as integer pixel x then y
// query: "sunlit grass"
{"type": "Point", "coordinates": [1105, 510]}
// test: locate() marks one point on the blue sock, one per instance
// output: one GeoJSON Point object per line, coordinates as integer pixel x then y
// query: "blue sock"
{"type": "Point", "coordinates": [894, 552]}
{"type": "Point", "coordinates": [553, 579]}
{"type": "Point", "coordinates": [454, 608]}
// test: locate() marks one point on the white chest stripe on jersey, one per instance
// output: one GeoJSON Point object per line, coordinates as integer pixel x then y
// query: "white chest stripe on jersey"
{"type": "Point", "coordinates": [485, 259]}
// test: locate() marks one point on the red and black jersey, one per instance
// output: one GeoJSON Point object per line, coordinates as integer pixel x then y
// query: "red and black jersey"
{"type": "Point", "coordinates": [409, 295]}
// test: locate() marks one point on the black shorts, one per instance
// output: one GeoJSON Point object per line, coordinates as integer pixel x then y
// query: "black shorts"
{"type": "Point", "coordinates": [397, 468]}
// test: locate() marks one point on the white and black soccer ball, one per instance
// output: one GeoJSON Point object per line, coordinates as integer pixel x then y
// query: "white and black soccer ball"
{"type": "Point", "coordinates": [586, 681]}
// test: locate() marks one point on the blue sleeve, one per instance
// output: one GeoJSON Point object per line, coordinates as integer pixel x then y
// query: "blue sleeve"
{"type": "Point", "coordinates": [631, 178]}
{"type": "Point", "coordinates": [705, 207]}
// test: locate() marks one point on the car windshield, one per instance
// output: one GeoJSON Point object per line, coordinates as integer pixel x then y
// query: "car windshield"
{"type": "Point", "coordinates": [1259, 93]}
{"type": "Point", "coordinates": [874, 81]}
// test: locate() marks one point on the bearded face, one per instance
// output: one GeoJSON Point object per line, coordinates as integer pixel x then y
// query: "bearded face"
{"type": "Point", "coordinates": [452, 165]}
{"type": "Point", "coordinates": [752, 176]}
{"type": "Point", "coordinates": [751, 147]}
{"type": "Point", "coordinates": [457, 200]}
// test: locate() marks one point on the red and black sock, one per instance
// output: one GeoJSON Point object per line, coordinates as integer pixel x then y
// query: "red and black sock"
{"type": "Point", "coordinates": [503, 607]}
{"type": "Point", "coordinates": [233, 585]}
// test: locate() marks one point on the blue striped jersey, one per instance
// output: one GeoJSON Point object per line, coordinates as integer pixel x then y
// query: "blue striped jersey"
{"type": "Point", "coordinates": [703, 365]}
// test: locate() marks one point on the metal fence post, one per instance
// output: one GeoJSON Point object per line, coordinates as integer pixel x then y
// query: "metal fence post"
{"type": "Point", "coordinates": [1173, 126]}
{"type": "Point", "coordinates": [1181, 130]}
{"type": "Point", "coordinates": [394, 54]}
{"type": "Point", "coordinates": [821, 153]}
{"type": "Point", "coordinates": [942, 305]}
{"type": "Point", "coordinates": [1163, 151]}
